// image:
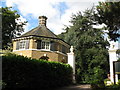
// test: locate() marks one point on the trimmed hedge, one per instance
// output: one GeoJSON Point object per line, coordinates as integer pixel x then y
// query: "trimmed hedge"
{"type": "Point", "coordinates": [23, 72]}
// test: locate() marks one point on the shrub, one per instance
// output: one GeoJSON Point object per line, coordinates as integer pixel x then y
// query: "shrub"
{"type": "Point", "coordinates": [23, 72]}
{"type": "Point", "coordinates": [118, 82]}
{"type": "Point", "coordinates": [107, 82]}
{"type": "Point", "coordinates": [113, 86]}
{"type": "Point", "coordinates": [97, 78]}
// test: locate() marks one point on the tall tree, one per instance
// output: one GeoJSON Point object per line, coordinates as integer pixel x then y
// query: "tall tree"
{"type": "Point", "coordinates": [109, 14]}
{"type": "Point", "coordinates": [10, 27]}
{"type": "Point", "coordinates": [90, 47]}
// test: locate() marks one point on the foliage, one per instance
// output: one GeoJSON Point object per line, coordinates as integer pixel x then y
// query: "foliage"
{"type": "Point", "coordinates": [119, 59]}
{"type": "Point", "coordinates": [97, 78]}
{"type": "Point", "coordinates": [10, 26]}
{"type": "Point", "coordinates": [114, 86]}
{"type": "Point", "coordinates": [2, 84]}
{"type": "Point", "coordinates": [118, 82]}
{"type": "Point", "coordinates": [107, 80]}
{"type": "Point", "coordinates": [89, 47]}
{"type": "Point", "coordinates": [61, 36]}
{"type": "Point", "coordinates": [108, 13]}
{"type": "Point", "coordinates": [109, 87]}
{"type": "Point", "coordinates": [23, 72]}
{"type": "Point", "coordinates": [118, 51]}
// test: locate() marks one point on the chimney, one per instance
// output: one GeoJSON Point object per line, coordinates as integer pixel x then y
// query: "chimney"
{"type": "Point", "coordinates": [42, 20]}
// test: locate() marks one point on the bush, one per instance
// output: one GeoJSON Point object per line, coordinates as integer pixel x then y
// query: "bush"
{"type": "Point", "coordinates": [118, 82]}
{"type": "Point", "coordinates": [113, 86]}
{"type": "Point", "coordinates": [97, 78]}
{"type": "Point", "coordinates": [107, 82]}
{"type": "Point", "coordinates": [23, 72]}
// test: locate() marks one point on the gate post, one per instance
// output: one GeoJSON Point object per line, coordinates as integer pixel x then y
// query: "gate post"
{"type": "Point", "coordinates": [112, 57]}
{"type": "Point", "coordinates": [71, 62]}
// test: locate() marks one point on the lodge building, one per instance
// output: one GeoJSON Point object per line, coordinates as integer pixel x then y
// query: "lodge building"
{"type": "Point", "coordinates": [40, 42]}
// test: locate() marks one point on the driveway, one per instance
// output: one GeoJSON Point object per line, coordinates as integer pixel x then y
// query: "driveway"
{"type": "Point", "coordinates": [76, 87]}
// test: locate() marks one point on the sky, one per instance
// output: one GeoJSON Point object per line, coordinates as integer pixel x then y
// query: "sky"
{"type": "Point", "coordinates": [58, 12]}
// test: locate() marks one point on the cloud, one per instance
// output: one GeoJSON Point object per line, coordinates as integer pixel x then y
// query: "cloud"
{"type": "Point", "coordinates": [74, 8]}
{"type": "Point", "coordinates": [34, 7]}
{"type": "Point", "coordinates": [51, 9]}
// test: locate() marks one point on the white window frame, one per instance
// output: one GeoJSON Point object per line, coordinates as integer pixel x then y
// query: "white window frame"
{"type": "Point", "coordinates": [45, 44]}
{"type": "Point", "coordinates": [22, 45]}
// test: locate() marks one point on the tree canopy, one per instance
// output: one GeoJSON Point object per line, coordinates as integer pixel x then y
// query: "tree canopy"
{"type": "Point", "coordinates": [10, 27]}
{"type": "Point", "coordinates": [89, 42]}
{"type": "Point", "coordinates": [109, 14]}
{"type": "Point", "coordinates": [89, 46]}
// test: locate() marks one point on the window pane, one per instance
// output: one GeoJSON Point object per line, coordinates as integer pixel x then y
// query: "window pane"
{"type": "Point", "coordinates": [63, 49]}
{"type": "Point", "coordinates": [45, 45]}
{"type": "Point", "coordinates": [20, 45]}
{"type": "Point", "coordinates": [39, 44]}
{"type": "Point", "coordinates": [23, 44]}
{"type": "Point", "coordinates": [17, 45]}
{"type": "Point", "coordinates": [27, 44]}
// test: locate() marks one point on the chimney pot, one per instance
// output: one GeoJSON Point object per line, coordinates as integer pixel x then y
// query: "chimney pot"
{"type": "Point", "coordinates": [42, 20]}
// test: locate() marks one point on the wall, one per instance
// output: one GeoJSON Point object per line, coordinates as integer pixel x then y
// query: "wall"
{"type": "Point", "coordinates": [33, 52]}
{"type": "Point", "coordinates": [27, 53]}
{"type": "Point", "coordinates": [53, 56]}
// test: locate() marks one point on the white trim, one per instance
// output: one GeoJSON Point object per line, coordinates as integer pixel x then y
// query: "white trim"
{"type": "Point", "coordinates": [45, 44]}
{"type": "Point", "coordinates": [41, 50]}
{"type": "Point", "coordinates": [20, 50]}
{"type": "Point", "coordinates": [60, 53]}
{"type": "Point", "coordinates": [21, 45]}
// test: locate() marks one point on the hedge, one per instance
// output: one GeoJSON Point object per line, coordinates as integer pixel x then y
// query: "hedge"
{"type": "Point", "coordinates": [23, 72]}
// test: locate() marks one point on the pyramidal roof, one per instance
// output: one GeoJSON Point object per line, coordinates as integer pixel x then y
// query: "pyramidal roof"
{"type": "Point", "coordinates": [40, 30]}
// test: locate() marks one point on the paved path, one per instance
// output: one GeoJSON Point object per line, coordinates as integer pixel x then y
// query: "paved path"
{"type": "Point", "coordinates": [76, 87]}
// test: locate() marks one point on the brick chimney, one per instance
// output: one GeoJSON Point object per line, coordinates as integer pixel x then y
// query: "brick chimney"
{"type": "Point", "coordinates": [42, 20]}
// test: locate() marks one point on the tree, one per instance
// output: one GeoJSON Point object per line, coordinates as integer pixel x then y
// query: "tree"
{"type": "Point", "coordinates": [10, 27]}
{"type": "Point", "coordinates": [109, 14]}
{"type": "Point", "coordinates": [90, 47]}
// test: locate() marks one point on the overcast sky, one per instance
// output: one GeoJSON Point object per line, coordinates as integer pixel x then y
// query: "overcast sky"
{"type": "Point", "coordinates": [59, 12]}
